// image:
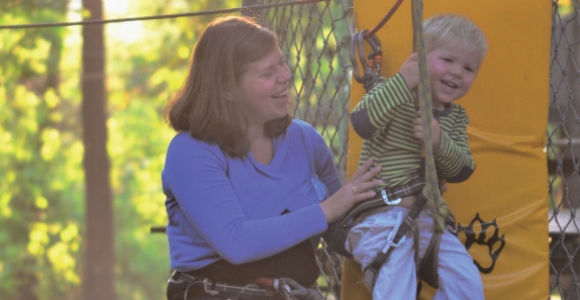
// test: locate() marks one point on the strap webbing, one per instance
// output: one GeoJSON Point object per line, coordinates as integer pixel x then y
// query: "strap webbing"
{"type": "Point", "coordinates": [428, 269]}
{"type": "Point", "coordinates": [371, 272]}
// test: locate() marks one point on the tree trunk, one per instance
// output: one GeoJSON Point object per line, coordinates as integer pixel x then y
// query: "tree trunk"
{"type": "Point", "coordinates": [98, 276]}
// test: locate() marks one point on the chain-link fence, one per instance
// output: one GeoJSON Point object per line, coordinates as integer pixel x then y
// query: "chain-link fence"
{"type": "Point", "coordinates": [317, 39]}
{"type": "Point", "coordinates": [564, 150]}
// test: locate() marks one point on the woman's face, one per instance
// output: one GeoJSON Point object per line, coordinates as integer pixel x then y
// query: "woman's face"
{"type": "Point", "coordinates": [262, 90]}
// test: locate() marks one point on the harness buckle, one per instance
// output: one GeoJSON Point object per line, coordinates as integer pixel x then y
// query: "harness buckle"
{"type": "Point", "coordinates": [391, 238]}
{"type": "Point", "coordinates": [207, 288]}
{"type": "Point", "coordinates": [386, 198]}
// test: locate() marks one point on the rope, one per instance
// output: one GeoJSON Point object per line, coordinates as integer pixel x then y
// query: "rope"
{"type": "Point", "coordinates": [439, 211]}
{"type": "Point", "coordinates": [431, 189]}
{"type": "Point", "coordinates": [157, 17]}
{"type": "Point", "coordinates": [371, 63]}
{"type": "Point", "coordinates": [384, 20]}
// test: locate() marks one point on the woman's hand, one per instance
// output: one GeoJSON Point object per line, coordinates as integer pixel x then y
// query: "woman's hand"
{"type": "Point", "coordinates": [358, 188]}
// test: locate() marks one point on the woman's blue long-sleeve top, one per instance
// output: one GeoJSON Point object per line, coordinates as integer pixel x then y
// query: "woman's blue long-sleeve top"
{"type": "Point", "coordinates": [231, 208]}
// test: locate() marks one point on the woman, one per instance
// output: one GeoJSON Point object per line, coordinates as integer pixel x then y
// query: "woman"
{"type": "Point", "coordinates": [244, 182]}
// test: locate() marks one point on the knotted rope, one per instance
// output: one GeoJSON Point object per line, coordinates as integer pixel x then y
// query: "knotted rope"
{"type": "Point", "coordinates": [439, 210]}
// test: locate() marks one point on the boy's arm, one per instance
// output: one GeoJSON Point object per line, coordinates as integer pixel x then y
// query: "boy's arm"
{"type": "Point", "coordinates": [376, 109]}
{"type": "Point", "coordinates": [453, 158]}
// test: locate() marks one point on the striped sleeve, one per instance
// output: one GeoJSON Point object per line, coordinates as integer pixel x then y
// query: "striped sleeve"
{"type": "Point", "coordinates": [375, 110]}
{"type": "Point", "coordinates": [453, 158]}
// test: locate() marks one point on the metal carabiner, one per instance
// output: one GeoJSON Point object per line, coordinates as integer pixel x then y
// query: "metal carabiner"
{"type": "Point", "coordinates": [355, 72]}
{"type": "Point", "coordinates": [393, 234]}
{"type": "Point", "coordinates": [207, 287]}
{"type": "Point", "coordinates": [371, 63]}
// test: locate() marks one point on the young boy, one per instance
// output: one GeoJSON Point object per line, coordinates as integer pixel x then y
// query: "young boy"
{"type": "Point", "coordinates": [388, 121]}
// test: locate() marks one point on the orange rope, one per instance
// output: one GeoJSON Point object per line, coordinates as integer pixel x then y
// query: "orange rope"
{"type": "Point", "coordinates": [384, 20]}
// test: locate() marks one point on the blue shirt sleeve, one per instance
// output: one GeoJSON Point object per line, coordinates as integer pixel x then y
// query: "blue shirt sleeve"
{"type": "Point", "coordinates": [212, 216]}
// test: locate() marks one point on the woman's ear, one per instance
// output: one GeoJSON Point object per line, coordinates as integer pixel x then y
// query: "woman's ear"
{"type": "Point", "coordinates": [229, 92]}
{"type": "Point", "coordinates": [229, 96]}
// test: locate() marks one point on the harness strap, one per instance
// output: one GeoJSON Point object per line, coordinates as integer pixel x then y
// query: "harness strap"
{"type": "Point", "coordinates": [371, 272]}
{"type": "Point", "coordinates": [287, 288]}
{"type": "Point", "coordinates": [383, 197]}
{"type": "Point", "coordinates": [427, 270]}
{"type": "Point", "coordinates": [428, 267]}
{"type": "Point", "coordinates": [212, 287]}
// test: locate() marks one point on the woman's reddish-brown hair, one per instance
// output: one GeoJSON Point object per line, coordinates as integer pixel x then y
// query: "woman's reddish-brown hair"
{"type": "Point", "coordinates": [221, 54]}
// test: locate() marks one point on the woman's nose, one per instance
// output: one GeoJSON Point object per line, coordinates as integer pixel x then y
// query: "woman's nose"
{"type": "Point", "coordinates": [285, 76]}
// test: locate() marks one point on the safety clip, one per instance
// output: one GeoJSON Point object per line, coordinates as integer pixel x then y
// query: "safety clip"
{"type": "Point", "coordinates": [391, 242]}
{"type": "Point", "coordinates": [207, 288]}
{"type": "Point", "coordinates": [386, 199]}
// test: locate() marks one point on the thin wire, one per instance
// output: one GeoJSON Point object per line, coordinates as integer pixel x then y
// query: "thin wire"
{"type": "Point", "coordinates": [156, 17]}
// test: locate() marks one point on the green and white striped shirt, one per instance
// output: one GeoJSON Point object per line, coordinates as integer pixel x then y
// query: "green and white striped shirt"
{"type": "Point", "coordinates": [384, 119]}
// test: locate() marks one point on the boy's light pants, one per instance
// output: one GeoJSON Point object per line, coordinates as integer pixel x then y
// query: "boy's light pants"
{"type": "Point", "coordinates": [459, 278]}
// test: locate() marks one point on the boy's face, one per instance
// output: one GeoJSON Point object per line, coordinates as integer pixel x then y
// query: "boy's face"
{"type": "Point", "coordinates": [452, 70]}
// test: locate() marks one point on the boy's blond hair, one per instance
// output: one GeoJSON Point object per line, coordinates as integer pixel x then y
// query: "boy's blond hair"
{"type": "Point", "coordinates": [443, 29]}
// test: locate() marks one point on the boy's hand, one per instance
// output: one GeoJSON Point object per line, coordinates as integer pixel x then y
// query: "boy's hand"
{"type": "Point", "coordinates": [410, 71]}
{"type": "Point", "coordinates": [443, 186]}
{"type": "Point", "coordinates": [435, 130]}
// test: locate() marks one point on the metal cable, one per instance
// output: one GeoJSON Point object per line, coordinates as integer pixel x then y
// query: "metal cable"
{"type": "Point", "coordinates": [157, 17]}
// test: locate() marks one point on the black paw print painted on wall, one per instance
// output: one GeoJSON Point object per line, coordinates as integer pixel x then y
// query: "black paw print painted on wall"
{"type": "Point", "coordinates": [477, 233]}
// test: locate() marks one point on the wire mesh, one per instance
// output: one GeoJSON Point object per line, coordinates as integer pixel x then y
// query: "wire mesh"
{"type": "Point", "coordinates": [316, 38]}
{"type": "Point", "coordinates": [563, 149]}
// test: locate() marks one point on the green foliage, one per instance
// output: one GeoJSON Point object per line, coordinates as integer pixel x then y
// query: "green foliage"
{"type": "Point", "coordinates": [564, 7]}
{"type": "Point", "coordinates": [41, 194]}
{"type": "Point", "coordinates": [42, 197]}
{"type": "Point", "coordinates": [143, 73]}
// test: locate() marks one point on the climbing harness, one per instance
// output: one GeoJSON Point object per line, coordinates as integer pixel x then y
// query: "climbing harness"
{"type": "Point", "coordinates": [384, 197]}
{"type": "Point", "coordinates": [371, 272]}
{"type": "Point", "coordinates": [265, 288]}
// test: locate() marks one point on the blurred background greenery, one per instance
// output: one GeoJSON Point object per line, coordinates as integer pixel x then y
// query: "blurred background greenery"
{"type": "Point", "coordinates": [42, 187]}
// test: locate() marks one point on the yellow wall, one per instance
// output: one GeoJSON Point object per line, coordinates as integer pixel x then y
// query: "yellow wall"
{"type": "Point", "coordinates": [508, 108]}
